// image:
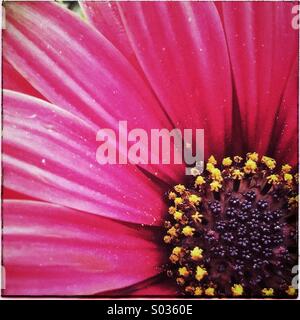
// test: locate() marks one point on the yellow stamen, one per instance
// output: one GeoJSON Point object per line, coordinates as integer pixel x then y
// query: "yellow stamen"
{"type": "Point", "coordinates": [200, 273]}
{"type": "Point", "coordinates": [209, 167]}
{"type": "Point", "coordinates": [237, 159]}
{"type": "Point", "coordinates": [237, 174]}
{"type": "Point", "coordinates": [291, 291]}
{"type": "Point", "coordinates": [212, 160]}
{"type": "Point", "coordinates": [180, 188]}
{"type": "Point", "coordinates": [194, 199]}
{"type": "Point", "coordinates": [178, 201]}
{"type": "Point", "coordinates": [178, 215]}
{"type": "Point", "coordinates": [188, 231]}
{"type": "Point", "coordinates": [198, 291]}
{"type": "Point", "coordinates": [172, 232]}
{"type": "Point", "coordinates": [288, 178]}
{"type": "Point", "coordinates": [172, 210]}
{"type": "Point", "coordinates": [197, 217]}
{"type": "Point", "coordinates": [210, 291]}
{"type": "Point", "coordinates": [267, 292]}
{"type": "Point", "coordinates": [237, 290]}
{"type": "Point", "coordinates": [273, 179]}
{"type": "Point", "coordinates": [199, 181]}
{"type": "Point", "coordinates": [253, 156]}
{"type": "Point", "coordinates": [286, 168]}
{"type": "Point", "coordinates": [227, 162]}
{"type": "Point", "coordinates": [177, 251]}
{"type": "Point", "coordinates": [196, 254]}
{"type": "Point", "coordinates": [167, 239]}
{"type": "Point", "coordinates": [250, 166]}
{"type": "Point", "coordinates": [269, 162]}
{"type": "Point", "coordinates": [216, 174]}
{"type": "Point", "coordinates": [172, 195]}
{"type": "Point", "coordinates": [183, 271]}
{"type": "Point", "coordinates": [215, 186]}
{"type": "Point", "coordinates": [174, 258]}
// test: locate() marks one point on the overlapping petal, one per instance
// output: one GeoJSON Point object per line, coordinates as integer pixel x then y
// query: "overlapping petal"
{"type": "Point", "coordinates": [262, 46]}
{"type": "Point", "coordinates": [52, 250]}
{"type": "Point", "coordinates": [182, 50]}
{"type": "Point", "coordinates": [50, 154]}
{"type": "Point", "coordinates": [75, 67]}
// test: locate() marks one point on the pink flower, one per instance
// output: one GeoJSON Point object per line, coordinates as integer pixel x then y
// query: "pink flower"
{"type": "Point", "coordinates": [74, 227]}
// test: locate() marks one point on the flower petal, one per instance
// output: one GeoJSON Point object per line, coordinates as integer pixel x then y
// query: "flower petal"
{"type": "Point", "coordinates": [52, 250]}
{"type": "Point", "coordinates": [105, 16]}
{"type": "Point", "coordinates": [182, 50]}
{"type": "Point", "coordinates": [78, 69]}
{"type": "Point", "coordinates": [262, 46]}
{"type": "Point", "coordinates": [50, 154]}
{"type": "Point", "coordinates": [285, 131]}
{"type": "Point", "coordinates": [13, 80]}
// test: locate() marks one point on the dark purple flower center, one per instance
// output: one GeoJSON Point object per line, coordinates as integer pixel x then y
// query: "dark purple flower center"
{"type": "Point", "coordinates": [232, 231]}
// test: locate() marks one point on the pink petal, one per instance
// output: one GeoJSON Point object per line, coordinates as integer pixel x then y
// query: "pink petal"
{"type": "Point", "coordinates": [51, 250]}
{"type": "Point", "coordinates": [75, 67]}
{"type": "Point", "coordinates": [167, 288]}
{"type": "Point", "coordinates": [285, 143]}
{"type": "Point", "coordinates": [13, 80]}
{"type": "Point", "coordinates": [105, 16]}
{"type": "Point", "coordinates": [50, 154]}
{"type": "Point", "coordinates": [262, 46]}
{"type": "Point", "coordinates": [182, 50]}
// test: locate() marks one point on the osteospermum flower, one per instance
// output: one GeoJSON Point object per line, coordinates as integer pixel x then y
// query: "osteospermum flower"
{"type": "Point", "coordinates": [74, 227]}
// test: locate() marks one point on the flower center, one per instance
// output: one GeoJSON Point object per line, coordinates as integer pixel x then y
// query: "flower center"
{"type": "Point", "coordinates": [231, 232]}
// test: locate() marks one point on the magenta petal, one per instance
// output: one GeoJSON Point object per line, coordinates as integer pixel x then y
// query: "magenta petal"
{"type": "Point", "coordinates": [51, 250]}
{"type": "Point", "coordinates": [50, 154]}
{"type": "Point", "coordinates": [13, 80]}
{"type": "Point", "coordinates": [262, 46]}
{"type": "Point", "coordinates": [78, 69]}
{"type": "Point", "coordinates": [182, 49]}
{"type": "Point", "coordinates": [285, 143]}
{"type": "Point", "coordinates": [105, 16]}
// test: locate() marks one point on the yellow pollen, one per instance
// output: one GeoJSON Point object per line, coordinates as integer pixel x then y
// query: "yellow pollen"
{"type": "Point", "coordinates": [200, 273]}
{"type": "Point", "coordinates": [210, 291]}
{"type": "Point", "coordinates": [188, 231]}
{"type": "Point", "coordinates": [253, 156]}
{"type": "Point", "coordinates": [177, 251]}
{"type": "Point", "coordinates": [178, 201]}
{"type": "Point", "coordinates": [237, 174]}
{"type": "Point", "coordinates": [172, 195]}
{"type": "Point", "coordinates": [273, 179]}
{"type": "Point", "coordinates": [288, 177]}
{"type": "Point", "coordinates": [178, 215]}
{"type": "Point", "coordinates": [237, 159]}
{"type": "Point", "coordinates": [215, 186]}
{"type": "Point", "coordinates": [216, 174]}
{"type": "Point", "coordinates": [269, 162]}
{"type": "Point", "coordinates": [199, 181]}
{"type": "Point", "coordinates": [198, 291]}
{"type": "Point", "coordinates": [180, 188]}
{"type": "Point", "coordinates": [174, 258]}
{"type": "Point", "coordinates": [172, 210]}
{"type": "Point", "coordinates": [291, 291]}
{"type": "Point", "coordinates": [196, 254]}
{"type": "Point", "coordinates": [267, 292]}
{"type": "Point", "coordinates": [183, 272]}
{"type": "Point", "coordinates": [237, 290]}
{"type": "Point", "coordinates": [197, 217]}
{"type": "Point", "coordinates": [250, 166]}
{"type": "Point", "coordinates": [227, 162]}
{"type": "Point", "coordinates": [286, 168]}
{"type": "Point", "coordinates": [172, 232]}
{"type": "Point", "coordinates": [194, 199]}
{"type": "Point", "coordinates": [167, 239]}
{"type": "Point", "coordinates": [209, 167]}
{"type": "Point", "coordinates": [212, 160]}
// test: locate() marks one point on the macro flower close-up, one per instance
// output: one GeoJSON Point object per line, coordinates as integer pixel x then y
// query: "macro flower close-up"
{"type": "Point", "coordinates": [74, 225]}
